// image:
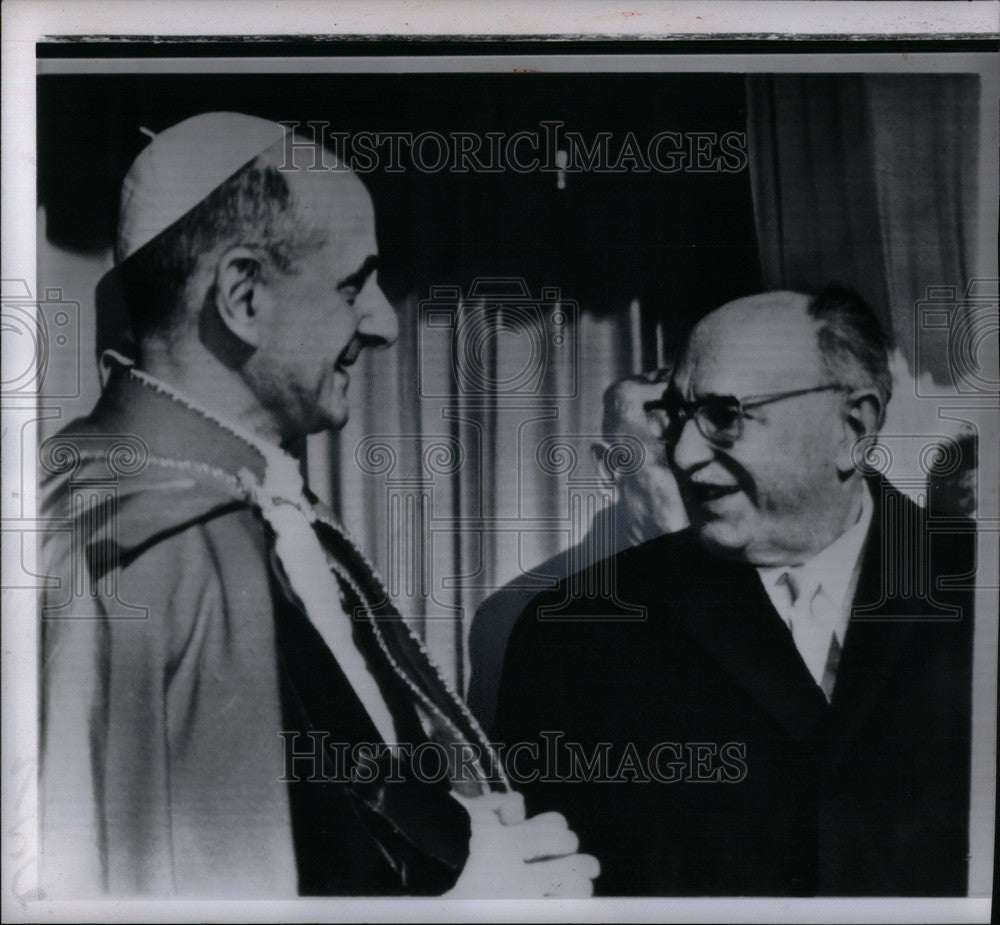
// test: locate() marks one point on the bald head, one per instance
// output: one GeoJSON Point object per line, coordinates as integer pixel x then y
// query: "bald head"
{"type": "Point", "coordinates": [762, 343]}
{"type": "Point", "coordinates": [780, 386]}
{"type": "Point", "coordinates": [781, 338]}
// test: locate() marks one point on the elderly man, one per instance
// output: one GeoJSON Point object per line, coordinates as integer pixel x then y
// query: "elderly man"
{"type": "Point", "coordinates": [219, 701]}
{"type": "Point", "coordinates": [646, 504]}
{"type": "Point", "coordinates": [793, 715]}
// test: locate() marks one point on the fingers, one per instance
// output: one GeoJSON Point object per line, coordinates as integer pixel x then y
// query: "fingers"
{"type": "Point", "coordinates": [517, 857]}
{"type": "Point", "coordinates": [568, 878]}
{"type": "Point", "coordinates": [510, 808]}
{"type": "Point", "coordinates": [486, 804]}
{"type": "Point", "coordinates": [545, 836]}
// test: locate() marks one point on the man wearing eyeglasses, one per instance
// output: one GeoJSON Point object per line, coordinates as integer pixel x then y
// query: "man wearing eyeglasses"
{"type": "Point", "coordinates": [792, 716]}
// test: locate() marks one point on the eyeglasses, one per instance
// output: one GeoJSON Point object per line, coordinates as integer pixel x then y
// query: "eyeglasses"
{"type": "Point", "coordinates": [719, 418]}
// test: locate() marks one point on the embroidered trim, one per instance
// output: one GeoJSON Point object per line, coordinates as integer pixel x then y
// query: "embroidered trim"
{"type": "Point", "coordinates": [167, 391]}
{"type": "Point", "coordinates": [418, 642]}
{"type": "Point", "coordinates": [246, 486]}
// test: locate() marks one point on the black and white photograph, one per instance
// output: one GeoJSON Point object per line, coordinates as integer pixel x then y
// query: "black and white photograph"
{"type": "Point", "coordinates": [448, 468]}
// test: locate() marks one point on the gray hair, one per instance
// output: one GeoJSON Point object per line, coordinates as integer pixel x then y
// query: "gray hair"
{"type": "Point", "coordinates": [852, 343]}
{"type": "Point", "coordinates": [255, 207]}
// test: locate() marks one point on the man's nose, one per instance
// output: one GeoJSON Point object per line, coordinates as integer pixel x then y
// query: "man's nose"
{"type": "Point", "coordinates": [378, 321]}
{"type": "Point", "coordinates": [692, 450]}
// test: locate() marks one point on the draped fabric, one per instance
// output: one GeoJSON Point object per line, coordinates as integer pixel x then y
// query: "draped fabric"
{"type": "Point", "coordinates": [639, 253]}
{"type": "Point", "coordinates": [925, 135]}
{"type": "Point", "coordinates": [813, 185]}
{"type": "Point", "coordinates": [870, 181]}
{"type": "Point", "coordinates": [166, 710]}
{"type": "Point", "coordinates": [465, 473]}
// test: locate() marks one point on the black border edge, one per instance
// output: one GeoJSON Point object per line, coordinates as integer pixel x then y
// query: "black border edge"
{"type": "Point", "coordinates": [70, 47]}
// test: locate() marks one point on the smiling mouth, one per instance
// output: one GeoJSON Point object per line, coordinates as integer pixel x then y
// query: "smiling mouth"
{"type": "Point", "coordinates": [705, 493]}
{"type": "Point", "coordinates": [347, 357]}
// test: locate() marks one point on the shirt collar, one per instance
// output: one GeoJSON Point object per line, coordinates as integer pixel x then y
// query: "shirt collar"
{"type": "Point", "coordinates": [834, 569]}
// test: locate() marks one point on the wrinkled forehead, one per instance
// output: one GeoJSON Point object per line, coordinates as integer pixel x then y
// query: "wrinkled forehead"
{"type": "Point", "coordinates": [749, 348]}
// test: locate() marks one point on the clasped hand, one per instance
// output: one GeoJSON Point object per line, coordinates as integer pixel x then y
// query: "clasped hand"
{"type": "Point", "coordinates": [511, 856]}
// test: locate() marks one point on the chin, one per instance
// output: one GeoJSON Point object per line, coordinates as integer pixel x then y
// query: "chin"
{"type": "Point", "coordinates": [333, 421]}
{"type": "Point", "coordinates": [722, 539]}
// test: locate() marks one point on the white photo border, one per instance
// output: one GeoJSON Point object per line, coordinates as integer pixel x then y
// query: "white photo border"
{"type": "Point", "coordinates": [25, 23]}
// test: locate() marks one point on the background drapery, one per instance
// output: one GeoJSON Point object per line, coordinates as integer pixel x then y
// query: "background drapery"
{"type": "Point", "coordinates": [871, 181]}
{"type": "Point", "coordinates": [455, 478]}
{"type": "Point", "coordinates": [455, 494]}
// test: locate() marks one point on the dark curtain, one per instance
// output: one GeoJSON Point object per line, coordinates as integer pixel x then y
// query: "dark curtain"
{"type": "Point", "coordinates": [869, 181]}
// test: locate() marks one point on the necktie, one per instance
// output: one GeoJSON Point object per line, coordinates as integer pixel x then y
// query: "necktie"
{"type": "Point", "coordinates": [811, 619]}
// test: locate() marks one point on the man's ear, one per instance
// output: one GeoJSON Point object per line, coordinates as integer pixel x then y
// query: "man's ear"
{"type": "Point", "coordinates": [862, 418]}
{"type": "Point", "coordinates": [237, 280]}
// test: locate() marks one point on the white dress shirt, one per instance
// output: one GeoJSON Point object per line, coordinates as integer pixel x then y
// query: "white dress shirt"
{"type": "Point", "coordinates": [815, 598]}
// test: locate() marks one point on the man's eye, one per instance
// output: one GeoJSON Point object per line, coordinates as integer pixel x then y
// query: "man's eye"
{"type": "Point", "coordinates": [721, 416]}
{"type": "Point", "coordinates": [673, 412]}
{"type": "Point", "coordinates": [350, 294]}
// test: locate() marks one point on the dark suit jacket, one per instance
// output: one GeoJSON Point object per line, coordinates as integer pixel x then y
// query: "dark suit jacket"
{"type": "Point", "coordinates": [787, 794]}
{"type": "Point", "coordinates": [495, 618]}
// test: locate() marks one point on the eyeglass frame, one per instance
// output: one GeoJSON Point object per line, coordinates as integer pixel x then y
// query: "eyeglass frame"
{"type": "Point", "coordinates": [689, 410]}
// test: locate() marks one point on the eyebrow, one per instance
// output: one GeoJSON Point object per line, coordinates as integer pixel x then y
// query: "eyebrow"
{"type": "Point", "coordinates": [716, 396]}
{"type": "Point", "coordinates": [673, 393]}
{"type": "Point", "coordinates": [357, 279]}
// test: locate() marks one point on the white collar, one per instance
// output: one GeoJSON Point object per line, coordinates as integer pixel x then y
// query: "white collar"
{"type": "Point", "coordinates": [282, 475]}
